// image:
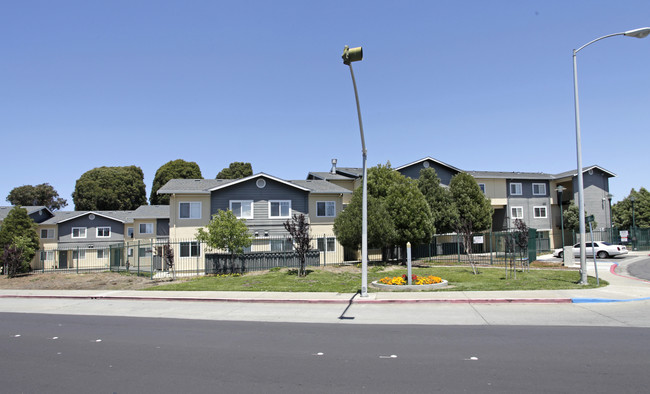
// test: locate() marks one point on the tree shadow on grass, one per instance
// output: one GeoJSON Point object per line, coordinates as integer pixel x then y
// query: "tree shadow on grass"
{"type": "Point", "coordinates": [295, 272]}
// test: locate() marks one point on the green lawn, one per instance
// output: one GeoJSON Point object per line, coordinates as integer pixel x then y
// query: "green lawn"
{"type": "Point", "coordinates": [349, 281]}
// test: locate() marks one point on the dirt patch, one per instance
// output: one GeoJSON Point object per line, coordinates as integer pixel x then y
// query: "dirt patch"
{"type": "Point", "coordinates": [84, 281]}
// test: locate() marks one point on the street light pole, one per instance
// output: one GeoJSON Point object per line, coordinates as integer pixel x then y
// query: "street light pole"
{"type": "Point", "coordinates": [637, 33]}
{"type": "Point", "coordinates": [560, 189]}
{"type": "Point", "coordinates": [611, 220]}
{"type": "Point", "coordinates": [354, 55]}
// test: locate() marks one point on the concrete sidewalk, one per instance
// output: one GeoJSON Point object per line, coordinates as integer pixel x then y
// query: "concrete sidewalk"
{"type": "Point", "coordinates": [621, 288]}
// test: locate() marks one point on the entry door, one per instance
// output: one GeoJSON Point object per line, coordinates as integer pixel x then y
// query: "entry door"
{"type": "Point", "coordinates": [63, 259]}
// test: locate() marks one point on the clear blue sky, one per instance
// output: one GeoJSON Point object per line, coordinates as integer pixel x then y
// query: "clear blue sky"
{"type": "Point", "coordinates": [480, 85]}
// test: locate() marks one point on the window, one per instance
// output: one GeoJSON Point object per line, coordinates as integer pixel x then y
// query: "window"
{"type": "Point", "coordinates": [47, 255]}
{"type": "Point", "coordinates": [189, 210]}
{"type": "Point", "coordinates": [79, 254]}
{"type": "Point", "coordinates": [539, 212]}
{"type": "Point", "coordinates": [517, 212]}
{"type": "Point", "coordinates": [102, 253]}
{"type": "Point", "coordinates": [281, 245]}
{"type": "Point", "coordinates": [78, 232]}
{"type": "Point", "coordinates": [190, 249]}
{"type": "Point", "coordinates": [103, 232]}
{"type": "Point", "coordinates": [47, 233]}
{"type": "Point", "coordinates": [145, 251]}
{"type": "Point", "coordinates": [280, 209]}
{"type": "Point", "coordinates": [146, 228]}
{"type": "Point", "coordinates": [130, 252]}
{"type": "Point", "coordinates": [482, 187]}
{"type": "Point", "coordinates": [243, 209]}
{"type": "Point", "coordinates": [539, 189]}
{"type": "Point", "coordinates": [129, 232]}
{"type": "Point", "coordinates": [327, 244]}
{"type": "Point", "coordinates": [515, 189]}
{"type": "Point", "coordinates": [326, 209]}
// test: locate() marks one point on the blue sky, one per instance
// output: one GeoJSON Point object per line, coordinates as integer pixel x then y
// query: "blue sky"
{"type": "Point", "coordinates": [480, 85]}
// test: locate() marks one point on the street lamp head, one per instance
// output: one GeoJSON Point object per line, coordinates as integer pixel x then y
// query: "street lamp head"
{"type": "Point", "coordinates": [560, 188]}
{"type": "Point", "coordinates": [352, 55]}
{"type": "Point", "coordinates": [632, 199]}
{"type": "Point", "coordinates": [638, 33]}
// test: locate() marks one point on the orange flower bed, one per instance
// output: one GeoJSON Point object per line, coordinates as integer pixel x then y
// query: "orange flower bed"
{"type": "Point", "coordinates": [415, 280]}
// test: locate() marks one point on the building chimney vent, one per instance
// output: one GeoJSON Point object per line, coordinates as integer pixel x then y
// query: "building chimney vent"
{"type": "Point", "coordinates": [333, 170]}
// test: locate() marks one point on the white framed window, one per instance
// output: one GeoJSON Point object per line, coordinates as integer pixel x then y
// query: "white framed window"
{"type": "Point", "coordinates": [243, 209]}
{"type": "Point", "coordinates": [326, 209]}
{"type": "Point", "coordinates": [129, 252]}
{"type": "Point", "coordinates": [280, 208]}
{"type": "Point", "coordinates": [79, 254]}
{"type": "Point", "coordinates": [327, 244]}
{"type": "Point", "coordinates": [78, 232]}
{"type": "Point", "coordinates": [539, 189]}
{"type": "Point", "coordinates": [539, 212]}
{"type": "Point", "coordinates": [517, 212]}
{"type": "Point", "coordinates": [103, 232]}
{"type": "Point", "coordinates": [281, 245]}
{"type": "Point", "coordinates": [482, 187]}
{"type": "Point", "coordinates": [47, 233]}
{"type": "Point", "coordinates": [190, 249]}
{"type": "Point", "coordinates": [146, 228]}
{"type": "Point", "coordinates": [515, 189]}
{"type": "Point", "coordinates": [102, 253]}
{"type": "Point", "coordinates": [189, 210]}
{"type": "Point", "coordinates": [47, 255]}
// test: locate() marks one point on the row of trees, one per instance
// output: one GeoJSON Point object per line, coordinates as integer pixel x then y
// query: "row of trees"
{"type": "Point", "coordinates": [118, 188]}
{"type": "Point", "coordinates": [402, 210]}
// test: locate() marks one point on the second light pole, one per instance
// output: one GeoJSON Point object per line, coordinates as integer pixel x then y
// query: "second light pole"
{"type": "Point", "coordinates": [354, 55]}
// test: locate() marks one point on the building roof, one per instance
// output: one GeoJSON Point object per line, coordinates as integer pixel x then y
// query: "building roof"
{"type": "Point", "coordinates": [328, 176]}
{"type": "Point", "coordinates": [4, 211]}
{"type": "Point", "coordinates": [198, 186]}
{"type": "Point", "coordinates": [64, 216]}
{"type": "Point", "coordinates": [428, 158]}
{"type": "Point", "coordinates": [319, 186]}
{"type": "Point", "coordinates": [151, 212]}
{"type": "Point", "coordinates": [511, 175]}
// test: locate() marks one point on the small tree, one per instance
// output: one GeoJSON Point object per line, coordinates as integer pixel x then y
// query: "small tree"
{"type": "Point", "coordinates": [226, 232]}
{"type": "Point", "coordinates": [19, 231]}
{"type": "Point", "coordinates": [517, 241]}
{"type": "Point", "coordinates": [298, 228]}
{"type": "Point", "coordinates": [572, 218]}
{"type": "Point", "coordinates": [474, 210]}
{"type": "Point", "coordinates": [168, 256]}
{"type": "Point", "coordinates": [16, 256]}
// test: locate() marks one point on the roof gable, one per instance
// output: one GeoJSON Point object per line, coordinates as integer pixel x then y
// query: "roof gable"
{"type": "Point", "coordinates": [256, 176]}
{"type": "Point", "coordinates": [429, 159]}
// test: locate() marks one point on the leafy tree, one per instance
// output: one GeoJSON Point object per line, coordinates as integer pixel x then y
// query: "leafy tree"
{"type": "Point", "coordinates": [443, 211]}
{"type": "Point", "coordinates": [298, 228]}
{"type": "Point", "coordinates": [226, 232]}
{"type": "Point", "coordinates": [236, 170]}
{"type": "Point", "coordinates": [18, 237]}
{"type": "Point", "coordinates": [474, 210]}
{"type": "Point", "coordinates": [175, 169]}
{"type": "Point", "coordinates": [347, 225]}
{"type": "Point", "coordinates": [43, 194]}
{"type": "Point", "coordinates": [572, 218]}
{"type": "Point", "coordinates": [622, 210]}
{"type": "Point", "coordinates": [410, 214]}
{"type": "Point", "coordinates": [168, 255]}
{"type": "Point", "coordinates": [110, 188]}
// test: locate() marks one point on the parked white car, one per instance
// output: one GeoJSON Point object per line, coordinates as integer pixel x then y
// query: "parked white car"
{"type": "Point", "coordinates": [603, 250]}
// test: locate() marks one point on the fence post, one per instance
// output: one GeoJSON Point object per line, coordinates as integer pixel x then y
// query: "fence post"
{"type": "Point", "coordinates": [458, 247]}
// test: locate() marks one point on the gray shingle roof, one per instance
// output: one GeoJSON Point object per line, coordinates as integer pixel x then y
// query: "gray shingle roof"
{"type": "Point", "coordinates": [199, 186]}
{"type": "Point", "coordinates": [328, 176]}
{"type": "Point", "coordinates": [317, 186]}
{"type": "Point", "coordinates": [62, 216]}
{"type": "Point", "coordinates": [4, 211]}
{"type": "Point", "coordinates": [151, 212]}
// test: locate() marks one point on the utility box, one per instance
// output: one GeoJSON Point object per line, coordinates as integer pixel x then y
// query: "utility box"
{"type": "Point", "coordinates": [568, 256]}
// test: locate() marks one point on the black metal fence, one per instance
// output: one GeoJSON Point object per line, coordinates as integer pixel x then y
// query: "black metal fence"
{"type": "Point", "coordinates": [222, 263]}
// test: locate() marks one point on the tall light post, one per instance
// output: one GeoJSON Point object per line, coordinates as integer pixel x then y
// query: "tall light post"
{"type": "Point", "coordinates": [560, 189]}
{"type": "Point", "coordinates": [611, 220]}
{"type": "Point", "coordinates": [633, 224]}
{"type": "Point", "coordinates": [354, 55]}
{"type": "Point", "coordinates": [638, 33]}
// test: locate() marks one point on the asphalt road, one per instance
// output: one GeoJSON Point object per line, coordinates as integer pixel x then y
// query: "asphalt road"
{"type": "Point", "coordinates": [640, 269]}
{"type": "Point", "coordinates": [63, 354]}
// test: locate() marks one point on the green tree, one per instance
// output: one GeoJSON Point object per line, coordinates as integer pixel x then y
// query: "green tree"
{"type": "Point", "coordinates": [410, 214]}
{"type": "Point", "coordinates": [347, 225]}
{"type": "Point", "coordinates": [110, 188]}
{"type": "Point", "coordinates": [43, 194]}
{"type": "Point", "coordinates": [572, 219]}
{"type": "Point", "coordinates": [443, 211]}
{"type": "Point", "coordinates": [226, 232]}
{"type": "Point", "coordinates": [622, 210]}
{"type": "Point", "coordinates": [175, 169]}
{"type": "Point", "coordinates": [474, 210]}
{"type": "Point", "coordinates": [298, 228]}
{"type": "Point", "coordinates": [236, 170]}
{"type": "Point", "coordinates": [18, 236]}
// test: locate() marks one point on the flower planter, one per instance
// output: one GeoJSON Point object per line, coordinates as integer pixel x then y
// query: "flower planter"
{"type": "Point", "coordinates": [433, 286]}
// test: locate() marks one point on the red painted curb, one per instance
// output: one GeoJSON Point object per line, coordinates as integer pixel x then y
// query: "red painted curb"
{"type": "Point", "coordinates": [310, 301]}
